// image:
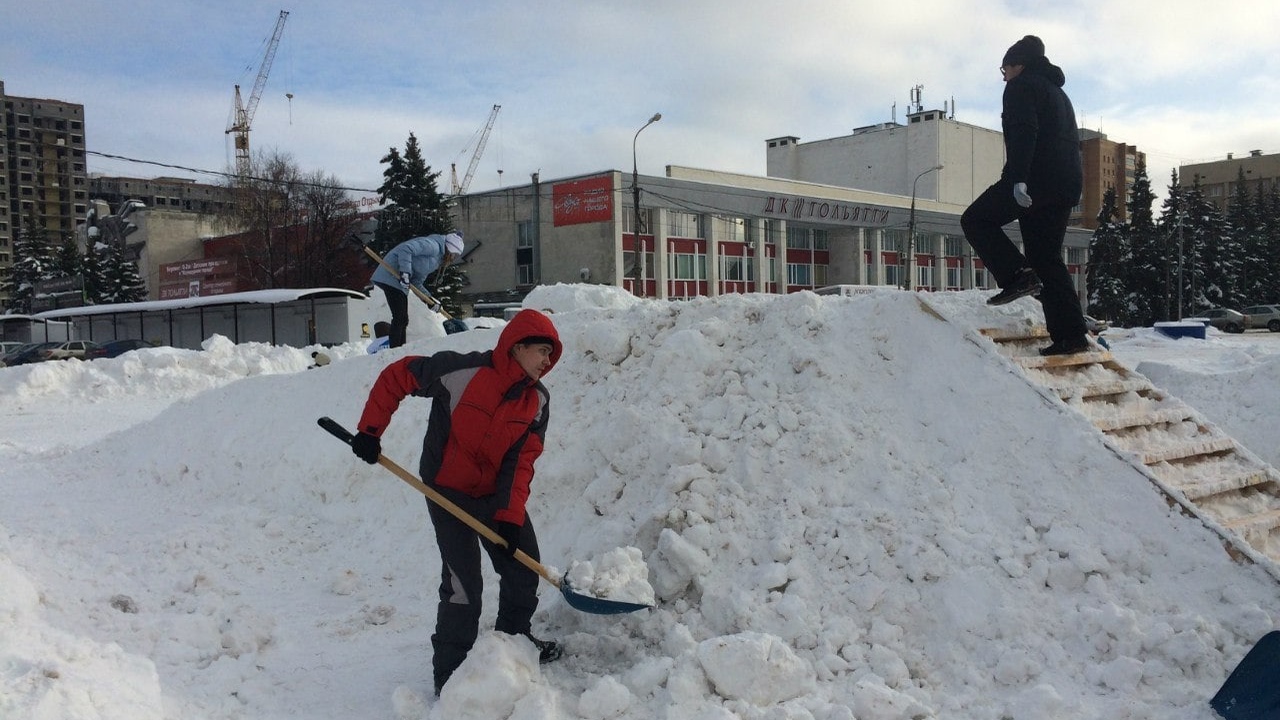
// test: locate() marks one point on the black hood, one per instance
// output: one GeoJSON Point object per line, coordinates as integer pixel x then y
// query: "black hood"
{"type": "Point", "coordinates": [1047, 70]}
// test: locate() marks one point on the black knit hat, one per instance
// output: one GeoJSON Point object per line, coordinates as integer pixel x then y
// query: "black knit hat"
{"type": "Point", "coordinates": [537, 340]}
{"type": "Point", "coordinates": [1024, 51]}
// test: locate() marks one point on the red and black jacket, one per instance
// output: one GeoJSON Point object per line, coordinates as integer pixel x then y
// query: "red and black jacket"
{"type": "Point", "coordinates": [488, 418]}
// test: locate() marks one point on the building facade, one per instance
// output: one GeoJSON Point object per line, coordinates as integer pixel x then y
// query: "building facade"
{"type": "Point", "coordinates": [891, 157]}
{"type": "Point", "coordinates": [163, 193]}
{"type": "Point", "coordinates": [707, 233]}
{"type": "Point", "coordinates": [1219, 178]}
{"type": "Point", "coordinates": [1108, 165]}
{"type": "Point", "coordinates": [42, 162]}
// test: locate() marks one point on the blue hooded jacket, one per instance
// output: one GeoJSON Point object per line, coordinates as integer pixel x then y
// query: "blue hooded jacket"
{"type": "Point", "coordinates": [419, 256]}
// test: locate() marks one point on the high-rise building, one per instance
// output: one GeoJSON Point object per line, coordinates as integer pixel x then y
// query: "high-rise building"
{"type": "Point", "coordinates": [42, 162]}
{"type": "Point", "coordinates": [1108, 165]}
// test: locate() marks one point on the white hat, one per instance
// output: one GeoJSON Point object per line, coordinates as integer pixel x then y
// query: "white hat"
{"type": "Point", "coordinates": [453, 243]}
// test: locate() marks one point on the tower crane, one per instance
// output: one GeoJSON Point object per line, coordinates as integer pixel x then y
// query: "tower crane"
{"type": "Point", "coordinates": [244, 113]}
{"type": "Point", "coordinates": [461, 188]}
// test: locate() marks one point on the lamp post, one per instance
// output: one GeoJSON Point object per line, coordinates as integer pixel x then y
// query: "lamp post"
{"type": "Point", "coordinates": [635, 199]}
{"type": "Point", "coordinates": [907, 283]}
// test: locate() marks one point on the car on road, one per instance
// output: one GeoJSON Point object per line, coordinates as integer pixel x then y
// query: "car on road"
{"type": "Point", "coordinates": [69, 349]}
{"type": "Point", "coordinates": [1225, 319]}
{"type": "Point", "coordinates": [1264, 316]}
{"type": "Point", "coordinates": [27, 354]}
{"type": "Point", "coordinates": [116, 348]}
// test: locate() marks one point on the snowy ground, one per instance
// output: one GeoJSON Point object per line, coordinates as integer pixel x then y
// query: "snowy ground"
{"type": "Point", "coordinates": [847, 510]}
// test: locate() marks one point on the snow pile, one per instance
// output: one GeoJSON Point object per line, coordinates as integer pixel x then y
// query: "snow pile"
{"type": "Point", "coordinates": [847, 507]}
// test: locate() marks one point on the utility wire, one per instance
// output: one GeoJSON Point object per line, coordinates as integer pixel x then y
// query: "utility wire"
{"type": "Point", "coordinates": [220, 174]}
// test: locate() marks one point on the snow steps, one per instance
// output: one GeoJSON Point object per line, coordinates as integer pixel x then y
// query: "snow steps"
{"type": "Point", "coordinates": [1201, 469]}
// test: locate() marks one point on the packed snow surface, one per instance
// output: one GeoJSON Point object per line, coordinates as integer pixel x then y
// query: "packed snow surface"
{"type": "Point", "coordinates": [840, 507]}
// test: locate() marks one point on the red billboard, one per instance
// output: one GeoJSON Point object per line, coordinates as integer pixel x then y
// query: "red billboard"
{"type": "Point", "coordinates": [583, 201]}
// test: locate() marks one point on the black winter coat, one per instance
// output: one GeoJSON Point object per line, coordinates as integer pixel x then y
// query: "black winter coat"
{"type": "Point", "coordinates": [1041, 141]}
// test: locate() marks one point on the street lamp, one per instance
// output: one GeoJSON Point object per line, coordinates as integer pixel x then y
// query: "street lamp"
{"type": "Point", "coordinates": [635, 194]}
{"type": "Point", "coordinates": [907, 283]}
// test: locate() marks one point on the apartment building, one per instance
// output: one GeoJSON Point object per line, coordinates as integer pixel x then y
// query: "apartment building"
{"type": "Point", "coordinates": [42, 162]}
{"type": "Point", "coordinates": [1108, 165]}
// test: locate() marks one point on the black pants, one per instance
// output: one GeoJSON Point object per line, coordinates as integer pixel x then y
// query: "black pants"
{"type": "Point", "coordinates": [1044, 227]}
{"type": "Point", "coordinates": [461, 582]}
{"type": "Point", "coordinates": [398, 302]}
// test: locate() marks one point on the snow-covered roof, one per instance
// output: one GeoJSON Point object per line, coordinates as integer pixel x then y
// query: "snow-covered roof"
{"type": "Point", "coordinates": [274, 296]}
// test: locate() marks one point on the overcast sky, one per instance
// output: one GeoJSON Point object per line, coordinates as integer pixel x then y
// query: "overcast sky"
{"type": "Point", "coordinates": [576, 80]}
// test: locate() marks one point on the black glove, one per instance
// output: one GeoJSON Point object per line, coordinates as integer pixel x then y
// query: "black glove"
{"type": "Point", "coordinates": [510, 532]}
{"type": "Point", "coordinates": [366, 447]}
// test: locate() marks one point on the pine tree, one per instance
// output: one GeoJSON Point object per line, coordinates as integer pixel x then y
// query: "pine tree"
{"type": "Point", "coordinates": [1109, 259]}
{"type": "Point", "coordinates": [95, 282]}
{"type": "Point", "coordinates": [121, 283]}
{"type": "Point", "coordinates": [1146, 267]}
{"type": "Point", "coordinates": [1235, 265]}
{"type": "Point", "coordinates": [1201, 224]}
{"type": "Point", "coordinates": [33, 261]}
{"type": "Point", "coordinates": [1167, 232]}
{"type": "Point", "coordinates": [412, 205]}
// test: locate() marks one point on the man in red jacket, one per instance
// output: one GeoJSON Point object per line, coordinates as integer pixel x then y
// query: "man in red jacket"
{"type": "Point", "coordinates": [488, 418]}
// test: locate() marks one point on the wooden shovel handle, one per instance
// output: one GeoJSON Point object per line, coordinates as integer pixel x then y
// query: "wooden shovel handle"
{"type": "Point", "coordinates": [483, 530]}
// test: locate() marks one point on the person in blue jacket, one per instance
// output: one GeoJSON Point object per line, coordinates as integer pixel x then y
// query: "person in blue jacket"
{"type": "Point", "coordinates": [415, 259]}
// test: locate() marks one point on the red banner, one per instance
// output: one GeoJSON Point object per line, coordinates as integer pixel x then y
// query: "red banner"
{"type": "Point", "coordinates": [583, 201]}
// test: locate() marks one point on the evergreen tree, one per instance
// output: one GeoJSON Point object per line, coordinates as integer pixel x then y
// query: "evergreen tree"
{"type": "Point", "coordinates": [95, 282]}
{"type": "Point", "coordinates": [1201, 224]}
{"type": "Point", "coordinates": [67, 260]}
{"type": "Point", "coordinates": [1248, 233]}
{"type": "Point", "coordinates": [1146, 273]}
{"type": "Point", "coordinates": [121, 283]}
{"type": "Point", "coordinates": [412, 205]}
{"type": "Point", "coordinates": [1109, 261]}
{"type": "Point", "coordinates": [33, 261]}
{"type": "Point", "coordinates": [1270, 213]}
{"type": "Point", "coordinates": [1168, 229]}
{"type": "Point", "coordinates": [1236, 267]}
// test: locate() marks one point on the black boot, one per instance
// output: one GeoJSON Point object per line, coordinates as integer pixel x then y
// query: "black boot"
{"type": "Point", "coordinates": [1024, 282]}
{"type": "Point", "coordinates": [1066, 347]}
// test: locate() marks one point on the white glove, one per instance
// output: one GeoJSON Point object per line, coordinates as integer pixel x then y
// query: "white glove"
{"type": "Point", "coordinates": [405, 282]}
{"type": "Point", "coordinates": [1020, 195]}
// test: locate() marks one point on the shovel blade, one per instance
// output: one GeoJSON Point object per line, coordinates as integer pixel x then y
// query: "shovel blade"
{"type": "Point", "coordinates": [595, 605]}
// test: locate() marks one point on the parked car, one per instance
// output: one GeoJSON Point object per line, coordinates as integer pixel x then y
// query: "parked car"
{"type": "Point", "coordinates": [1226, 319]}
{"type": "Point", "coordinates": [8, 346]}
{"type": "Point", "coordinates": [69, 349]}
{"type": "Point", "coordinates": [27, 354]}
{"type": "Point", "coordinates": [1264, 316]}
{"type": "Point", "coordinates": [116, 348]}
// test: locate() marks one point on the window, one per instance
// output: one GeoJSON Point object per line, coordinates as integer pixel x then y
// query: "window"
{"type": "Point", "coordinates": [821, 240]}
{"type": "Point", "coordinates": [798, 274]}
{"type": "Point", "coordinates": [734, 229]}
{"type": "Point", "coordinates": [1076, 256]}
{"type": "Point", "coordinates": [953, 278]}
{"type": "Point", "coordinates": [954, 246]}
{"type": "Point", "coordinates": [797, 239]}
{"type": "Point", "coordinates": [687, 266]}
{"type": "Point", "coordinates": [893, 240]}
{"type": "Point", "coordinates": [736, 269]}
{"type": "Point", "coordinates": [629, 220]}
{"type": "Point", "coordinates": [524, 234]}
{"type": "Point", "coordinates": [924, 276]}
{"type": "Point", "coordinates": [772, 232]}
{"type": "Point", "coordinates": [685, 225]}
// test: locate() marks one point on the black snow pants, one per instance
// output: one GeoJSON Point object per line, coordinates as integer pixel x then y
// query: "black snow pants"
{"type": "Point", "coordinates": [461, 582]}
{"type": "Point", "coordinates": [1044, 227]}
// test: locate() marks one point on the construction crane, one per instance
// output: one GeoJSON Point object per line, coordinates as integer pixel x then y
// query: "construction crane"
{"type": "Point", "coordinates": [461, 188]}
{"type": "Point", "coordinates": [244, 113]}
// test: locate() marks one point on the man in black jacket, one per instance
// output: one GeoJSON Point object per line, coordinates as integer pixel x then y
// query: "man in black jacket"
{"type": "Point", "coordinates": [1042, 162]}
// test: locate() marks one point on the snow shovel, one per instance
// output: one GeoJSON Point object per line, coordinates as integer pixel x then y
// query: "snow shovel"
{"type": "Point", "coordinates": [1252, 691]}
{"type": "Point", "coordinates": [452, 325]}
{"type": "Point", "coordinates": [576, 600]}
